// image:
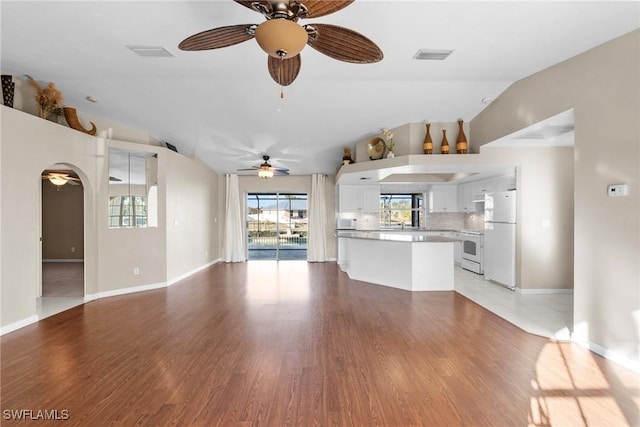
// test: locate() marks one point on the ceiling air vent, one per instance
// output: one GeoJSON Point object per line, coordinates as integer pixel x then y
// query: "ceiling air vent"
{"type": "Point", "coordinates": [433, 54]}
{"type": "Point", "coordinates": [151, 51]}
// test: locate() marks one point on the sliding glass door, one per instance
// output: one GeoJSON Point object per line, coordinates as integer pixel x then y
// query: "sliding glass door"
{"type": "Point", "coordinates": [277, 226]}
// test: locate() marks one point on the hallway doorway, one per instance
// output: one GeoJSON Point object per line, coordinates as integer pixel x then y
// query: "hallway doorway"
{"type": "Point", "coordinates": [62, 238]}
{"type": "Point", "coordinates": [277, 226]}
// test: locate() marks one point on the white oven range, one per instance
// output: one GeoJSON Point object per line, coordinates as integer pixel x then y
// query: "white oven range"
{"type": "Point", "coordinates": [472, 256]}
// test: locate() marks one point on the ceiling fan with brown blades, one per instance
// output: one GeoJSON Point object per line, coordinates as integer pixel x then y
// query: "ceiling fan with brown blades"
{"type": "Point", "coordinates": [282, 38]}
{"type": "Point", "coordinates": [265, 170]}
{"type": "Point", "coordinates": [60, 178]}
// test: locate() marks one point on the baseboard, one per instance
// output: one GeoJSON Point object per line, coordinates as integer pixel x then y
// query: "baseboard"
{"type": "Point", "coordinates": [115, 292]}
{"type": "Point", "coordinates": [63, 260]}
{"type": "Point", "coordinates": [19, 324]}
{"type": "Point", "coordinates": [621, 360]}
{"type": "Point", "coordinates": [544, 291]}
{"type": "Point", "coordinates": [124, 291]}
{"type": "Point", "coordinates": [142, 288]}
{"type": "Point", "coordinates": [192, 272]}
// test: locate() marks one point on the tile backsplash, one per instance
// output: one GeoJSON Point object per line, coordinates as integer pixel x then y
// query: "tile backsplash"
{"type": "Point", "coordinates": [434, 221]}
{"type": "Point", "coordinates": [364, 221]}
{"type": "Point", "coordinates": [445, 221]}
{"type": "Point", "coordinates": [474, 221]}
{"type": "Point", "coordinates": [455, 221]}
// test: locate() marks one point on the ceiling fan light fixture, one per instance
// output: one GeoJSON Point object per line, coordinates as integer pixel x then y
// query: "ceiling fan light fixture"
{"type": "Point", "coordinates": [265, 173]}
{"type": "Point", "coordinates": [276, 36]}
{"type": "Point", "coordinates": [58, 179]}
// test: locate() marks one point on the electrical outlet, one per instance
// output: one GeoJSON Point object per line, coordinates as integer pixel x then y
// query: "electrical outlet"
{"type": "Point", "coordinates": [136, 271]}
{"type": "Point", "coordinates": [73, 248]}
{"type": "Point", "coordinates": [617, 190]}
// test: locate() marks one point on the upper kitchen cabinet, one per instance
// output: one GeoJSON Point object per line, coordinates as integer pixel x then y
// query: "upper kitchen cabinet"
{"type": "Point", "coordinates": [470, 193]}
{"type": "Point", "coordinates": [466, 197]}
{"type": "Point", "coordinates": [359, 198]}
{"type": "Point", "coordinates": [443, 198]}
{"type": "Point", "coordinates": [500, 183]}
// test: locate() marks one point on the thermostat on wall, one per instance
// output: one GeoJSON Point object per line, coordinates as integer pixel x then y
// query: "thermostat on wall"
{"type": "Point", "coordinates": [617, 190]}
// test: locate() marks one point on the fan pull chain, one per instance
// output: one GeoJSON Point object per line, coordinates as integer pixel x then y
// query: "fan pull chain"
{"type": "Point", "coordinates": [281, 87]}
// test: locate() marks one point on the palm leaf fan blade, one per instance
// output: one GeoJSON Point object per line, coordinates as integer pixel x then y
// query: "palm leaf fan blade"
{"type": "Point", "coordinates": [217, 38]}
{"type": "Point", "coordinates": [344, 44]}
{"type": "Point", "coordinates": [284, 71]}
{"type": "Point", "coordinates": [319, 8]}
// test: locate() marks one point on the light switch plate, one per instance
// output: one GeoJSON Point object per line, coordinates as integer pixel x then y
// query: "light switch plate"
{"type": "Point", "coordinates": [615, 190]}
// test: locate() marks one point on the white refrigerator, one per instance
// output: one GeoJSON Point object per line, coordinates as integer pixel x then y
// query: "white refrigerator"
{"type": "Point", "coordinates": [500, 238]}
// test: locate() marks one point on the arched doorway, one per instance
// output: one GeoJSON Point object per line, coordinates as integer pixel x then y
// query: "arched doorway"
{"type": "Point", "coordinates": [62, 240]}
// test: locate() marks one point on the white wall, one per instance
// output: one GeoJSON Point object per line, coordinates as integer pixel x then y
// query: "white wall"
{"type": "Point", "coordinates": [603, 86]}
{"type": "Point", "coordinates": [28, 145]}
{"type": "Point", "coordinates": [123, 249]}
{"type": "Point", "coordinates": [544, 244]}
{"type": "Point", "coordinates": [192, 214]}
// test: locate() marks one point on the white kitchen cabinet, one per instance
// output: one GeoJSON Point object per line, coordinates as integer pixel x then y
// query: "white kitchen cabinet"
{"type": "Point", "coordinates": [457, 246]}
{"type": "Point", "coordinates": [510, 181]}
{"type": "Point", "coordinates": [462, 196]}
{"type": "Point", "coordinates": [485, 186]}
{"type": "Point", "coordinates": [443, 198]}
{"type": "Point", "coordinates": [342, 253]}
{"type": "Point", "coordinates": [457, 249]}
{"type": "Point", "coordinates": [470, 191]}
{"type": "Point", "coordinates": [497, 184]}
{"type": "Point", "coordinates": [466, 195]}
{"type": "Point", "coordinates": [359, 198]}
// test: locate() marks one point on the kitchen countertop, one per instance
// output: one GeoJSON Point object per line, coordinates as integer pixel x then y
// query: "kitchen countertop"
{"type": "Point", "coordinates": [395, 236]}
{"type": "Point", "coordinates": [408, 230]}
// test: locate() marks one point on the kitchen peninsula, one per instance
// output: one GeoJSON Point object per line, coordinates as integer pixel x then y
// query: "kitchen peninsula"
{"type": "Point", "coordinates": [412, 261]}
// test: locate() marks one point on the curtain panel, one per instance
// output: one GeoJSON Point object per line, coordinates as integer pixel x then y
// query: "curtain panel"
{"type": "Point", "coordinates": [317, 243]}
{"type": "Point", "coordinates": [233, 244]}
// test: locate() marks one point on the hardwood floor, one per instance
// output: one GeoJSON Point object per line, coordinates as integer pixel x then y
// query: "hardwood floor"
{"type": "Point", "coordinates": [296, 343]}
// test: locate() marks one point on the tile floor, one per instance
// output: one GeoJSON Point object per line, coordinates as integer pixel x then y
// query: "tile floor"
{"type": "Point", "coordinates": [48, 306]}
{"type": "Point", "coordinates": [547, 315]}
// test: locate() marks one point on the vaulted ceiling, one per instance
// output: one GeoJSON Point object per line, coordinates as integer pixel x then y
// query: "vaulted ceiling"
{"type": "Point", "coordinates": [222, 105]}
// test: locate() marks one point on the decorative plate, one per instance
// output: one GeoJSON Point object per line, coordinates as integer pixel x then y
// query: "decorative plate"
{"type": "Point", "coordinates": [375, 148]}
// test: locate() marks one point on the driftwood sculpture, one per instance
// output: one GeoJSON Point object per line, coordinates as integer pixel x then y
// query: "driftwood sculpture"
{"type": "Point", "coordinates": [71, 116]}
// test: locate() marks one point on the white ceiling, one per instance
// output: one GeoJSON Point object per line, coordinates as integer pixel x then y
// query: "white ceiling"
{"type": "Point", "coordinates": [223, 106]}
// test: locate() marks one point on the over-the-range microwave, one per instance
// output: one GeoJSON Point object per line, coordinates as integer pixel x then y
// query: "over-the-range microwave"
{"type": "Point", "coordinates": [346, 223]}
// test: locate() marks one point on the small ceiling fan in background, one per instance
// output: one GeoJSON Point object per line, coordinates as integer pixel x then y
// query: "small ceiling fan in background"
{"type": "Point", "coordinates": [265, 170]}
{"type": "Point", "coordinates": [60, 178]}
{"type": "Point", "coordinates": [282, 38]}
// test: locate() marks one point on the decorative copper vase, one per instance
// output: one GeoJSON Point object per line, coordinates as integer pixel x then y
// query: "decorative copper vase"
{"type": "Point", "coordinates": [427, 145]}
{"type": "Point", "coordinates": [71, 116]}
{"type": "Point", "coordinates": [444, 147]}
{"type": "Point", "coordinates": [461, 144]}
